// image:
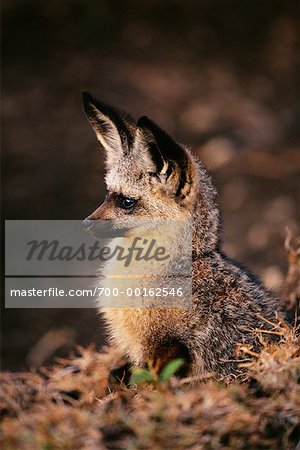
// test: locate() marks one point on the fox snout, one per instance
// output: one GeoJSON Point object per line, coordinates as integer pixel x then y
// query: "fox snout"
{"type": "Point", "coordinates": [100, 213]}
{"type": "Point", "coordinates": [91, 223]}
{"type": "Point", "coordinates": [101, 223]}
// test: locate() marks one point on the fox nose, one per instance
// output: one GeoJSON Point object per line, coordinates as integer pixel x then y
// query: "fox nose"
{"type": "Point", "coordinates": [88, 223]}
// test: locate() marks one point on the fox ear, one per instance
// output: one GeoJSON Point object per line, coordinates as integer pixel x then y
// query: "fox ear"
{"type": "Point", "coordinates": [165, 152]}
{"type": "Point", "coordinates": [173, 163]}
{"type": "Point", "coordinates": [114, 128]}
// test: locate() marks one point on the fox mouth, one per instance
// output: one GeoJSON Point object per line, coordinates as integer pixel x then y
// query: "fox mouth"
{"type": "Point", "coordinates": [103, 229]}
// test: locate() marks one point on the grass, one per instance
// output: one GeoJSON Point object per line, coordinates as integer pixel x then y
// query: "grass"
{"type": "Point", "coordinates": [141, 376]}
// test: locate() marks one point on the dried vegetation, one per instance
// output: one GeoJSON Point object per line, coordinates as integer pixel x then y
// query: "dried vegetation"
{"type": "Point", "coordinates": [85, 402]}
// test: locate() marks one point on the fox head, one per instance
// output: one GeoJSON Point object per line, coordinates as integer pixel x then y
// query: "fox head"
{"type": "Point", "coordinates": [148, 174]}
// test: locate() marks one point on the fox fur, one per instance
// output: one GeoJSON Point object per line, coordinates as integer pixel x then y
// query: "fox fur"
{"type": "Point", "coordinates": [167, 181]}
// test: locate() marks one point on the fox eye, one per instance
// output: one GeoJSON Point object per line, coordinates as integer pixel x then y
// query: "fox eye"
{"type": "Point", "coordinates": [126, 202]}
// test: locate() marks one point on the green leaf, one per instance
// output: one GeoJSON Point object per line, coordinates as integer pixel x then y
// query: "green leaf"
{"type": "Point", "coordinates": [141, 376]}
{"type": "Point", "coordinates": [47, 446]}
{"type": "Point", "coordinates": [170, 369]}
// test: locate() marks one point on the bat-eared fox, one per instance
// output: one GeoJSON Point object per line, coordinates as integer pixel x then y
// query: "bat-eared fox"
{"type": "Point", "coordinates": [149, 176]}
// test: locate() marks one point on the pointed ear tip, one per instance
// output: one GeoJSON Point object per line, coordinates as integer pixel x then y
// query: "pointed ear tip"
{"type": "Point", "coordinates": [144, 120]}
{"type": "Point", "coordinates": [86, 96]}
{"type": "Point", "coordinates": [89, 101]}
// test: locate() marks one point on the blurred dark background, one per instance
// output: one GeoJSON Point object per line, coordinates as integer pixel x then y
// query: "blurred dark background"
{"type": "Point", "coordinates": [223, 76]}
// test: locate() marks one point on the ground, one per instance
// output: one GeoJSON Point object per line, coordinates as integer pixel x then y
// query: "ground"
{"type": "Point", "coordinates": [88, 401]}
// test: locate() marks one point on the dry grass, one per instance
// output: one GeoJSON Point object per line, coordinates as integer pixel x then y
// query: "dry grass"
{"type": "Point", "coordinates": [80, 403]}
